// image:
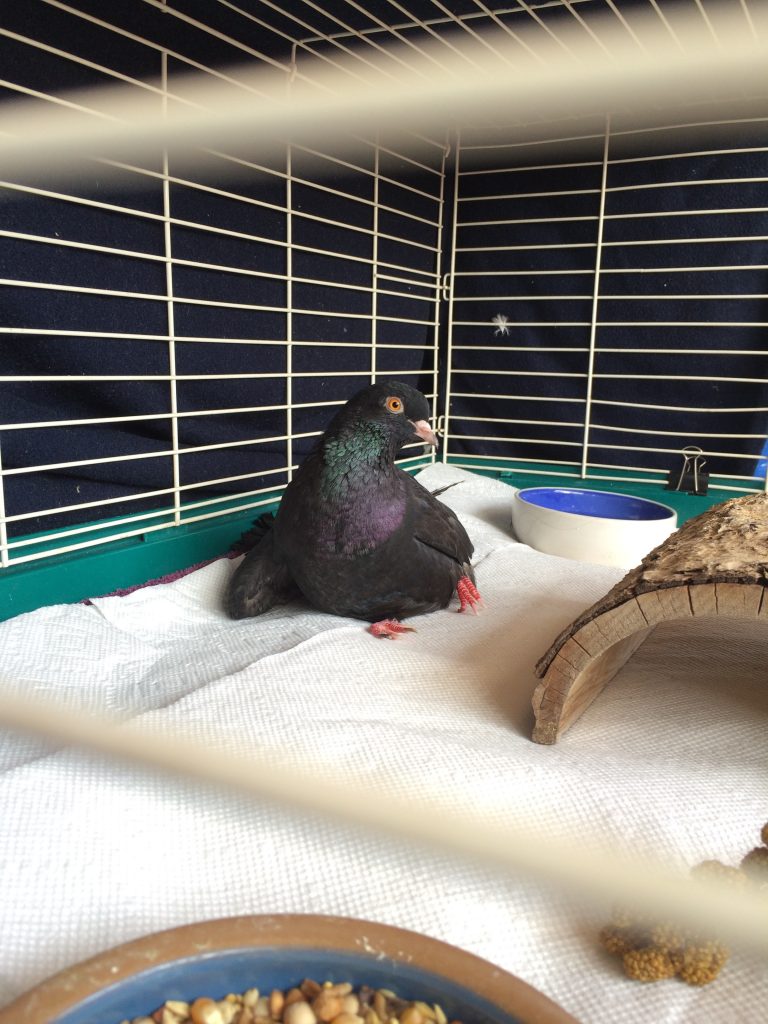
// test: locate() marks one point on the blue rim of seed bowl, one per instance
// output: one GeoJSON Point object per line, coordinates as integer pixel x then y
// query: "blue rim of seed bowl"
{"type": "Point", "coordinates": [267, 968]}
{"type": "Point", "coordinates": [597, 504]}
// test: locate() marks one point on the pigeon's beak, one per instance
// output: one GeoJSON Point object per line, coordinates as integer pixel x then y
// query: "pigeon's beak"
{"type": "Point", "coordinates": [424, 431]}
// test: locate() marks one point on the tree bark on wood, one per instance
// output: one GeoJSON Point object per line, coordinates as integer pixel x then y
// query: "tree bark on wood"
{"type": "Point", "coordinates": [716, 564]}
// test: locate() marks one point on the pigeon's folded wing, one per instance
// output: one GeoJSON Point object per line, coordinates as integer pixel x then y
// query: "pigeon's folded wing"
{"type": "Point", "coordinates": [438, 527]}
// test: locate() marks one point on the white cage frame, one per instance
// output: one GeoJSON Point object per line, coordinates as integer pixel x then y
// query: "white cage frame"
{"type": "Point", "coordinates": [428, 290]}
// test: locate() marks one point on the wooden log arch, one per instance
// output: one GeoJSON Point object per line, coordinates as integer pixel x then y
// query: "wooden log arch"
{"type": "Point", "coordinates": [716, 564]}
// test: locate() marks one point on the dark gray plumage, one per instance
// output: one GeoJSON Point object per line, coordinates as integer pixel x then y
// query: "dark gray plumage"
{"type": "Point", "coordinates": [355, 534]}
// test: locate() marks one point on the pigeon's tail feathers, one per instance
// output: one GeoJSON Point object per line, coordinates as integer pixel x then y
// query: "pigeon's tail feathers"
{"type": "Point", "coordinates": [260, 581]}
{"type": "Point", "coordinates": [248, 540]}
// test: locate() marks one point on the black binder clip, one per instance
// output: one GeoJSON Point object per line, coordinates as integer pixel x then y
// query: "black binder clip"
{"type": "Point", "coordinates": [690, 478]}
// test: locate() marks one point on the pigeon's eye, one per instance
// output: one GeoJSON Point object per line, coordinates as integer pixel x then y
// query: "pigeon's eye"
{"type": "Point", "coordinates": [394, 404]}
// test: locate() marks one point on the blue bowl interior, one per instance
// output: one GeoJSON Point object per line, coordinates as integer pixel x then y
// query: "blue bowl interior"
{"type": "Point", "coordinates": [265, 968]}
{"type": "Point", "coordinates": [603, 504]}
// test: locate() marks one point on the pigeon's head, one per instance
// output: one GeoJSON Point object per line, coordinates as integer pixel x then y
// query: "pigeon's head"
{"type": "Point", "coordinates": [402, 412]}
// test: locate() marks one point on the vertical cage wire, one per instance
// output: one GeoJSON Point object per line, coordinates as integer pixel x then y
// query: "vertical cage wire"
{"type": "Point", "coordinates": [439, 292]}
{"type": "Point", "coordinates": [375, 255]}
{"type": "Point", "coordinates": [449, 355]}
{"type": "Point", "coordinates": [595, 302]}
{"type": "Point", "coordinates": [167, 242]}
{"type": "Point", "coordinates": [4, 560]}
{"type": "Point", "coordinates": [289, 283]}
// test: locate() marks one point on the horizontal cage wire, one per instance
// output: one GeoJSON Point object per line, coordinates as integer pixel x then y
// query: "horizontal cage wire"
{"type": "Point", "coordinates": [585, 298]}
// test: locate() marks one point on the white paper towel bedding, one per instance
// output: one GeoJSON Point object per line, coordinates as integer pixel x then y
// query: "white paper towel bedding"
{"type": "Point", "coordinates": [671, 758]}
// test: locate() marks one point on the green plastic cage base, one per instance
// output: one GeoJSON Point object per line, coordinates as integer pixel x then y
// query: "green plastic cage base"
{"type": "Point", "coordinates": [116, 565]}
{"type": "Point", "coordinates": [130, 562]}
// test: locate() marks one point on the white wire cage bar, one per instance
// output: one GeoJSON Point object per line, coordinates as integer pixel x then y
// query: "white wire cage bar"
{"type": "Point", "coordinates": [257, 301]}
{"type": "Point", "coordinates": [398, 196]}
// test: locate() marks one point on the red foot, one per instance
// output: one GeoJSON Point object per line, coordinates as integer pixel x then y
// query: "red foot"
{"type": "Point", "coordinates": [468, 595]}
{"type": "Point", "coordinates": [389, 629]}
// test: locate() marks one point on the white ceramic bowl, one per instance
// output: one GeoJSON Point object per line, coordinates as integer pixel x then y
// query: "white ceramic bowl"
{"type": "Point", "coordinates": [591, 526]}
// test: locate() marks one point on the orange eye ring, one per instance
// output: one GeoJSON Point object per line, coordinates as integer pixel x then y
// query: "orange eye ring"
{"type": "Point", "coordinates": [394, 404]}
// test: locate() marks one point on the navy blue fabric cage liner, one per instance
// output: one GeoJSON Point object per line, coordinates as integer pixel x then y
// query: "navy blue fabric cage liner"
{"type": "Point", "coordinates": [538, 270]}
{"type": "Point", "coordinates": [691, 357]}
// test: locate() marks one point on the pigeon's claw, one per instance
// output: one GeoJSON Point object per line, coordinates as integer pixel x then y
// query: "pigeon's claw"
{"type": "Point", "coordinates": [389, 629]}
{"type": "Point", "coordinates": [468, 595]}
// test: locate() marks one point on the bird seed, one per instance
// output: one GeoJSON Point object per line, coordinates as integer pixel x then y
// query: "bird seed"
{"type": "Point", "coordinates": [307, 1003]}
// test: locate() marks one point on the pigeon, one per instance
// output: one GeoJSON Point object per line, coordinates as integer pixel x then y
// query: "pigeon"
{"type": "Point", "coordinates": [355, 534]}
